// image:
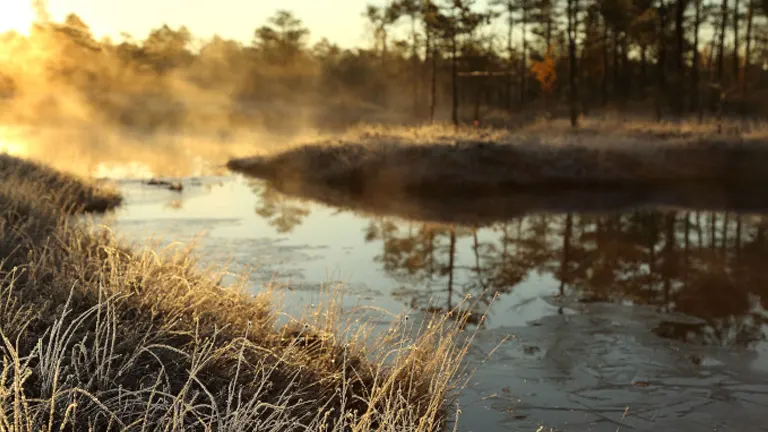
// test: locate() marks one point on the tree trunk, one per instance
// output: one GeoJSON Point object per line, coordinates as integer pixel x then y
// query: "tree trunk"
{"type": "Point", "coordinates": [604, 84]}
{"type": "Point", "coordinates": [415, 61]}
{"type": "Point", "coordinates": [587, 79]}
{"type": "Point", "coordinates": [736, 58]}
{"type": "Point", "coordinates": [699, 230]}
{"type": "Point", "coordinates": [433, 79]}
{"type": "Point", "coordinates": [748, 50]}
{"type": "Point", "coordinates": [643, 70]}
{"type": "Point", "coordinates": [617, 81]}
{"type": "Point", "coordinates": [626, 66]}
{"type": "Point", "coordinates": [670, 266]}
{"type": "Point", "coordinates": [548, 32]}
{"type": "Point", "coordinates": [695, 73]}
{"type": "Point", "coordinates": [454, 81]}
{"type": "Point", "coordinates": [564, 270]}
{"type": "Point", "coordinates": [721, 45]}
{"type": "Point", "coordinates": [384, 47]}
{"type": "Point", "coordinates": [652, 258]}
{"type": "Point", "coordinates": [738, 238]}
{"type": "Point", "coordinates": [662, 64]}
{"type": "Point", "coordinates": [572, 24]}
{"type": "Point", "coordinates": [524, 60]}
{"type": "Point", "coordinates": [721, 64]}
{"type": "Point", "coordinates": [712, 56]}
{"type": "Point", "coordinates": [479, 96]}
{"type": "Point", "coordinates": [680, 54]}
{"type": "Point", "coordinates": [510, 53]}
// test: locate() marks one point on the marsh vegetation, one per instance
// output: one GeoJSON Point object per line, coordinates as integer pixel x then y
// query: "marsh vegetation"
{"type": "Point", "coordinates": [100, 336]}
{"type": "Point", "coordinates": [520, 169]}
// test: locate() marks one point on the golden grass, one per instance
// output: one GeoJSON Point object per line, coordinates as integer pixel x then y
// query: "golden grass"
{"type": "Point", "coordinates": [99, 337]}
{"type": "Point", "coordinates": [34, 180]}
{"type": "Point", "coordinates": [404, 171]}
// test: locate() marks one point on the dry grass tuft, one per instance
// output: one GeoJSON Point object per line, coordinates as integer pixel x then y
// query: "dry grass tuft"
{"type": "Point", "coordinates": [94, 336]}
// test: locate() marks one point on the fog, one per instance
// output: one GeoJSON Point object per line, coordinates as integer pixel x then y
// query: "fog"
{"type": "Point", "coordinates": [172, 104]}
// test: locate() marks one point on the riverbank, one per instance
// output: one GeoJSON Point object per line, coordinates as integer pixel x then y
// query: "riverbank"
{"type": "Point", "coordinates": [439, 162]}
{"type": "Point", "coordinates": [484, 210]}
{"type": "Point", "coordinates": [99, 336]}
{"type": "Point", "coordinates": [31, 182]}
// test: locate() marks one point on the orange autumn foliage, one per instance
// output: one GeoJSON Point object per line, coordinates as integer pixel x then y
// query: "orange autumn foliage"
{"type": "Point", "coordinates": [545, 71]}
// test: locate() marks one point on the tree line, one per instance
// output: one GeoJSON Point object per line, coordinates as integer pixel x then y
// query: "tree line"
{"type": "Point", "coordinates": [431, 60]}
{"type": "Point", "coordinates": [673, 57]}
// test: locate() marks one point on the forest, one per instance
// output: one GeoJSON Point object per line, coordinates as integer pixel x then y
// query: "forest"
{"type": "Point", "coordinates": [500, 63]}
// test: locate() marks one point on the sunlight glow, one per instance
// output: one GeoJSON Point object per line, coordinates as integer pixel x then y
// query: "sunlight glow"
{"type": "Point", "coordinates": [17, 15]}
{"type": "Point", "coordinates": [132, 170]}
{"type": "Point", "coordinates": [12, 145]}
{"type": "Point", "coordinates": [12, 148]}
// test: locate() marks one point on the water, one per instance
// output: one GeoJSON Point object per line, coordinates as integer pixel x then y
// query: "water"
{"type": "Point", "coordinates": [650, 319]}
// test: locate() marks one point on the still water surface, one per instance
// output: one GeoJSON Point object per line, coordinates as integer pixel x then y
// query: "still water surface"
{"type": "Point", "coordinates": [651, 319]}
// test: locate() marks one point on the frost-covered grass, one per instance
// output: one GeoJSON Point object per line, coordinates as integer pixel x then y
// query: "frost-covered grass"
{"type": "Point", "coordinates": [437, 173]}
{"type": "Point", "coordinates": [441, 161]}
{"type": "Point", "coordinates": [96, 336]}
{"type": "Point", "coordinates": [25, 179]}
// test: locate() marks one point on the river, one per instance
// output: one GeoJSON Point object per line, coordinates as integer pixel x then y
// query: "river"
{"type": "Point", "coordinates": [625, 319]}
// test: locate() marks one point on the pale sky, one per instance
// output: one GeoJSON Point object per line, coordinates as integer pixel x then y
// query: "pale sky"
{"type": "Point", "coordinates": [340, 21]}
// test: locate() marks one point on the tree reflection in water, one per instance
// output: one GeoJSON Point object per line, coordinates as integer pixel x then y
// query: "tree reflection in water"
{"type": "Point", "coordinates": [710, 266]}
{"type": "Point", "coordinates": [281, 212]}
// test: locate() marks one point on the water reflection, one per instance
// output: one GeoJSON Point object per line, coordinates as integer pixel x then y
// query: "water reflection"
{"type": "Point", "coordinates": [281, 212]}
{"type": "Point", "coordinates": [703, 270]}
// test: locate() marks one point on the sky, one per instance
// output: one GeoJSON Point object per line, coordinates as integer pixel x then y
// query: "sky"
{"type": "Point", "coordinates": [340, 21]}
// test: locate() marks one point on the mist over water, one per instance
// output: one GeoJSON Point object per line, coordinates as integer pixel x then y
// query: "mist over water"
{"type": "Point", "coordinates": [171, 103]}
{"type": "Point", "coordinates": [97, 151]}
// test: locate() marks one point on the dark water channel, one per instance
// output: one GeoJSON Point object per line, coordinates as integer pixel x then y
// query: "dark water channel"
{"type": "Point", "coordinates": [632, 319]}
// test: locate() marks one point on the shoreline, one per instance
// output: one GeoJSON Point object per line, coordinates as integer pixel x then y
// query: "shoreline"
{"type": "Point", "coordinates": [487, 209]}
{"type": "Point", "coordinates": [422, 173]}
{"type": "Point", "coordinates": [177, 347]}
